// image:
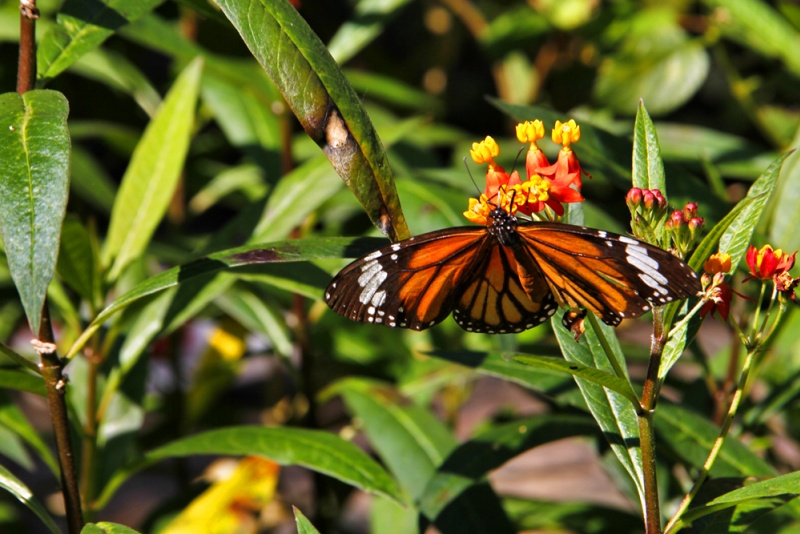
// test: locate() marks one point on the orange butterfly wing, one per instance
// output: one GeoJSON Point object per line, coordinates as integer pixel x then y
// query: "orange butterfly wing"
{"type": "Point", "coordinates": [614, 276]}
{"type": "Point", "coordinates": [417, 283]}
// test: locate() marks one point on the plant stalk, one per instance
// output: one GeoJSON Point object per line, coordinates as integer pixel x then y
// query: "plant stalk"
{"type": "Point", "coordinates": [56, 384]}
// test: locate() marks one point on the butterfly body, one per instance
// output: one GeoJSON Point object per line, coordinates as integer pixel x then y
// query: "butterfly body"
{"type": "Point", "coordinates": [508, 276]}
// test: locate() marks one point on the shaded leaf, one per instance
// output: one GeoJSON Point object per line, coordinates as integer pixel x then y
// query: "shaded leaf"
{"type": "Point", "coordinates": [21, 492]}
{"type": "Point", "coordinates": [106, 527]}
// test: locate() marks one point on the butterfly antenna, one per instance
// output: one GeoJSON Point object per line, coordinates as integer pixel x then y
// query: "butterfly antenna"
{"type": "Point", "coordinates": [516, 160]}
{"type": "Point", "coordinates": [469, 172]}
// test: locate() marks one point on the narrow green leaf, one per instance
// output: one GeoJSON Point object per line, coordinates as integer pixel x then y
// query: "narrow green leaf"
{"type": "Point", "coordinates": [759, 26]}
{"type": "Point", "coordinates": [153, 174]}
{"type": "Point", "coordinates": [785, 219]}
{"type": "Point", "coordinates": [690, 437]}
{"type": "Point", "coordinates": [82, 26]}
{"type": "Point", "coordinates": [736, 238]}
{"type": "Point", "coordinates": [106, 527]}
{"type": "Point", "coordinates": [320, 451]}
{"type": "Point", "coordinates": [76, 260]}
{"type": "Point", "coordinates": [34, 183]}
{"type": "Point", "coordinates": [12, 418]}
{"type": "Point", "coordinates": [360, 30]}
{"type": "Point", "coordinates": [324, 102]}
{"type": "Point", "coordinates": [409, 440]}
{"type": "Point", "coordinates": [590, 374]}
{"type": "Point", "coordinates": [20, 491]}
{"type": "Point", "coordinates": [776, 490]}
{"type": "Point", "coordinates": [304, 526]}
{"type": "Point", "coordinates": [20, 381]}
{"type": "Point", "coordinates": [648, 167]}
{"type": "Point", "coordinates": [285, 251]}
{"type": "Point", "coordinates": [258, 314]}
{"type": "Point", "coordinates": [472, 461]}
{"type": "Point", "coordinates": [612, 411]}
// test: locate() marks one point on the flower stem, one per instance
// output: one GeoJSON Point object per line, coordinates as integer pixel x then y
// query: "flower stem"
{"type": "Point", "coordinates": [717, 447]}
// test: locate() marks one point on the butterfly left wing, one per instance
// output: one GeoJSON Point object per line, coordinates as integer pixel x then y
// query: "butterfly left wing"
{"type": "Point", "coordinates": [410, 284]}
{"type": "Point", "coordinates": [616, 277]}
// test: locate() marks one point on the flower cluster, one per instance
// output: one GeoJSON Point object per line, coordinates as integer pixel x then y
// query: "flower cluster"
{"type": "Point", "coordinates": [719, 292]}
{"type": "Point", "coordinates": [679, 232]}
{"type": "Point", "coordinates": [547, 186]}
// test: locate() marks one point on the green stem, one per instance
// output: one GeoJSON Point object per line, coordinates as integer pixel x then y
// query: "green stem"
{"type": "Point", "coordinates": [618, 370]}
{"type": "Point", "coordinates": [647, 440]}
{"type": "Point", "coordinates": [675, 522]}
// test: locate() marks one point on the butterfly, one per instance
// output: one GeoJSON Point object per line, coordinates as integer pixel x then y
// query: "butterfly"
{"type": "Point", "coordinates": [508, 276]}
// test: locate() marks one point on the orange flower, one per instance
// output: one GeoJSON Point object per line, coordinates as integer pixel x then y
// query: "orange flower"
{"type": "Point", "coordinates": [719, 262]}
{"type": "Point", "coordinates": [720, 292]}
{"type": "Point", "coordinates": [767, 263]}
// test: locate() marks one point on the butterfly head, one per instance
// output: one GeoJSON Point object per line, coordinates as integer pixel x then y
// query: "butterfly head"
{"type": "Point", "coordinates": [503, 226]}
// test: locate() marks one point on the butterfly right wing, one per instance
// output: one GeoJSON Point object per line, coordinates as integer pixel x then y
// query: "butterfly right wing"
{"type": "Point", "coordinates": [411, 284]}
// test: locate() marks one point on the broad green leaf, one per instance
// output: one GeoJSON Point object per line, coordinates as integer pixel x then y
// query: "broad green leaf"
{"type": "Point", "coordinates": [736, 238]}
{"type": "Point", "coordinates": [613, 412]}
{"type": "Point", "coordinates": [469, 464]}
{"type": "Point", "coordinates": [323, 101]}
{"type": "Point", "coordinates": [106, 527]}
{"type": "Point", "coordinates": [34, 183]}
{"type": "Point", "coordinates": [153, 174]}
{"type": "Point", "coordinates": [260, 314]}
{"type": "Point", "coordinates": [320, 451]}
{"type": "Point", "coordinates": [370, 17]}
{"type": "Point", "coordinates": [82, 26]}
{"type": "Point", "coordinates": [388, 517]}
{"type": "Point", "coordinates": [758, 26]}
{"type": "Point", "coordinates": [287, 251]}
{"type": "Point", "coordinates": [775, 491]}
{"type": "Point", "coordinates": [304, 526]}
{"type": "Point", "coordinates": [657, 63]}
{"type": "Point", "coordinates": [648, 168]}
{"type": "Point", "coordinates": [690, 437]}
{"type": "Point", "coordinates": [409, 439]}
{"type": "Point", "coordinates": [590, 374]}
{"type": "Point", "coordinates": [21, 492]}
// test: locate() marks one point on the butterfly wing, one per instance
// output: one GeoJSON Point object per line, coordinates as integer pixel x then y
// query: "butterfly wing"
{"type": "Point", "coordinates": [614, 276]}
{"type": "Point", "coordinates": [416, 283]}
{"type": "Point", "coordinates": [410, 284]}
{"type": "Point", "coordinates": [496, 301]}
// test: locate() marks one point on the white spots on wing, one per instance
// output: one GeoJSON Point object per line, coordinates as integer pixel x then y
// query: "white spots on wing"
{"type": "Point", "coordinates": [602, 234]}
{"type": "Point", "coordinates": [648, 267]}
{"type": "Point", "coordinates": [370, 280]}
{"type": "Point", "coordinates": [396, 246]}
{"type": "Point", "coordinates": [378, 298]}
{"type": "Point", "coordinates": [627, 240]}
{"type": "Point", "coordinates": [373, 256]}
{"type": "Point", "coordinates": [609, 243]}
{"type": "Point", "coordinates": [394, 257]}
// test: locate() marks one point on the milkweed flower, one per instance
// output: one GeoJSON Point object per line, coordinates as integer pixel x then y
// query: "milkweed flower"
{"type": "Point", "coordinates": [718, 293]}
{"type": "Point", "coordinates": [547, 186]}
{"type": "Point", "coordinates": [767, 263]}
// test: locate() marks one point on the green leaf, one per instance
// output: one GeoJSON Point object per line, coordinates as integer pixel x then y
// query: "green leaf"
{"type": "Point", "coordinates": [15, 487]}
{"type": "Point", "coordinates": [360, 30]}
{"type": "Point", "coordinates": [22, 382]}
{"type": "Point", "coordinates": [106, 527]}
{"type": "Point", "coordinates": [323, 101]}
{"type": "Point", "coordinates": [304, 526]}
{"type": "Point", "coordinates": [758, 26]}
{"type": "Point", "coordinates": [468, 465]}
{"type": "Point", "coordinates": [776, 491]}
{"type": "Point", "coordinates": [736, 238]}
{"type": "Point", "coordinates": [657, 63]}
{"type": "Point", "coordinates": [77, 262]}
{"type": "Point", "coordinates": [785, 219]}
{"type": "Point", "coordinates": [286, 251]}
{"type": "Point", "coordinates": [613, 412]}
{"type": "Point", "coordinates": [82, 26]}
{"type": "Point", "coordinates": [153, 174]}
{"type": "Point", "coordinates": [34, 183]}
{"type": "Point", "coordinates": [590, 374]}
{"type": "Point", "coordinates": [690, 437]}
{"type": "Point", "coordinates": [13, 419]}
{"type": "Point", "coordinates": [258, 313]}
{"type": "Point", "coordinates": [319, 451]}
{"type": "Point", "coordinates": [648, 167]}
{"type": "Point", "coordinates": [409, 439]}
